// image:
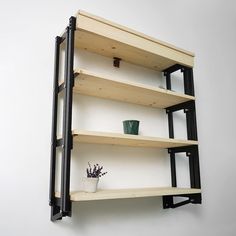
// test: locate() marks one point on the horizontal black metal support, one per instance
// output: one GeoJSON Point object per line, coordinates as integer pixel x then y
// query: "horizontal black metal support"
{"type": "Point", "coordinates": [61, 87]}
{"type": "Point", "coordinates": [187, 149]}
{"type": "Point", "coordinates": [59, 142]}
{"type": "Point", "coordinates": [55, 213]}
{"type": "Point", "coordinates": [181, 106]}
{"type": "Point", "coordinates": [168, 201]}
{"type": "Point", "coordinates": [175, 205]}
{"type": "Point", "coordinates": [173, 69]}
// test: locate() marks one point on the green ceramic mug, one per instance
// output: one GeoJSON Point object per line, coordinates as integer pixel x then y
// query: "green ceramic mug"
{"type": "Point", "coordinates": [131, 126]}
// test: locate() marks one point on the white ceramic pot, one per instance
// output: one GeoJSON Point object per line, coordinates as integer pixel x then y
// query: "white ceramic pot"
{"type": "Point", "coordinates": [90, 185]}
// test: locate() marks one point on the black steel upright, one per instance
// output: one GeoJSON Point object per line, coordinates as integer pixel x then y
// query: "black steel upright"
{"type": "Point", "coordinates": [67, 119]}
{"type": "Point", "coordinates": [171, 135]}
{"type": "Point", "coordinates": [61, 206]}
{"type": "Point", "coordinates": [54, 122]}
{"type": "Point", "coordinates": [191, 151]}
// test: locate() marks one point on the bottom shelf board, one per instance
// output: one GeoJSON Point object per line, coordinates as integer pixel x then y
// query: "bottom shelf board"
{"type": "Point", "coordinates": [129, 193]}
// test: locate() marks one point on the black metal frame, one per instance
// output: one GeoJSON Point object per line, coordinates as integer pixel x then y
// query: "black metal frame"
{"type": "Point", "coordinates": [191, 151]}
{"type": "Point", "coordinates": [61, 206]}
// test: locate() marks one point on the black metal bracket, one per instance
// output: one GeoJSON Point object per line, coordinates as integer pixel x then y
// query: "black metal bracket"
{"type": "Point", "coordinates": [191, 122]}
{"type": "Point", "coordinates": [187, 77]}
{"type": "Point", "coordinates": [191, 151]}
{"type": "Point", "coordinates": [168, 201]}
{"type": "Point", "coordinates": [62, 86]}
{"type": "Point", "coordinates": [61, 207]}
{"type": "Point", "coordinates": [116, 62]}
{"type": "Point", "coordinates": [194, 169]}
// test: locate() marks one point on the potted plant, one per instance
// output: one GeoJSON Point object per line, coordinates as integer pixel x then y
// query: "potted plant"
{"type": "Point", "coordinates": [93, 175]}
{"type": "Point", "coordinates": [131, 127]}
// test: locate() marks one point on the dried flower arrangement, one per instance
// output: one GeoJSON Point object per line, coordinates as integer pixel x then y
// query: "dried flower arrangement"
{"type": "Point", "coordinates": [95, 171]}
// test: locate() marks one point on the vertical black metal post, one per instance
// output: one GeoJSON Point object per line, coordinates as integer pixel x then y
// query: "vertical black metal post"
{"type": "Point", "coordinates": [188, 81]}
{"type": "Point", "coordinates": [197, 168]}
{"type": "Point", "coordinates": [191, 169]}
{"type": "Point", "coordinates": [67, 118]}
{"type": "Point", "coordinates": [54, 122]}
{"type": "Point", "coordinates": [190, 113]}
{"type": "Point", "coordinates": [172, 155]}
{"type": "Point", "coordinates": [192, 130]}
{"type": "Point", "coordinates": [168, 80]}
{"type": "Point", "coordinates": [171, 134]}
{"type": "Point", "coordinates": [65, 110]}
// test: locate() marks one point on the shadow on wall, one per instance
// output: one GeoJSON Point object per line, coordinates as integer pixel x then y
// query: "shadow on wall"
{"type": "Point", "coordinates": [118, 216]}
{"type": "Point", "coordinates": [101, 212]}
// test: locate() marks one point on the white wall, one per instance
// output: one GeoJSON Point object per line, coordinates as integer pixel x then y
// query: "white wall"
{"type": "Point", "coordinates": [28, 29]}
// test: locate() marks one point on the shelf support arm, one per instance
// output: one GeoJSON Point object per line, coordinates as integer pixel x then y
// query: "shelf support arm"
{"type": "Point", "coordinates": [168, 201]}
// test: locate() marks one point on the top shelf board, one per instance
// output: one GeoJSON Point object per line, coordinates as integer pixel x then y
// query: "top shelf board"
{"type": "Point", "coordinates": [106, 38]}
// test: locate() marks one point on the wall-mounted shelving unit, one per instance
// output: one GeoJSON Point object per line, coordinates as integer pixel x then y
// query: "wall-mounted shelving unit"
{"type": "Point", "coordinates": [121, 43]}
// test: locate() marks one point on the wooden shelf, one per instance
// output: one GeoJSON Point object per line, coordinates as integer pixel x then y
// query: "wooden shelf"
{"type": "Point", "coordinates": [128, 140]}
{"type": "Point", "coordinates": [92, 84]}
{"type": "Point", "coordinates": [129, 193]}
{"type": "Point", "coordinates": [101, 36]}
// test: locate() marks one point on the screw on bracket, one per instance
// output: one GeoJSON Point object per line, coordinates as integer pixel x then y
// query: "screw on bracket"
{"type": "Point", "coordinates": [72, 23]}
{"type": "Point", "coordinates": [76, 74]}
{"type": "Point", "coordinates": [116, 62]}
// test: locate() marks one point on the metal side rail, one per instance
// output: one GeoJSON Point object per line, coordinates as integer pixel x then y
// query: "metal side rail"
{"type": "Point", "coordinates": [61, 207]}
{"type": "Point", "coordinates": [191, 151]}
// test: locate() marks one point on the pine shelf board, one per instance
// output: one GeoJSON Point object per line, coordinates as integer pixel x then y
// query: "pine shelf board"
{"type": "Point", "coordinates": [129, 193]}
{"type": "Point", "coordinates": [93, 84]}
{"type": "Point", "coordinates": [106, 38]}
{"type": "Point", "coordinates": [128, 140]}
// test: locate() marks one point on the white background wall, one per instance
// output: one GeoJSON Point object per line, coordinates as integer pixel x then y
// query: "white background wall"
{"type": "Point", "coordinates": [28, 29]}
